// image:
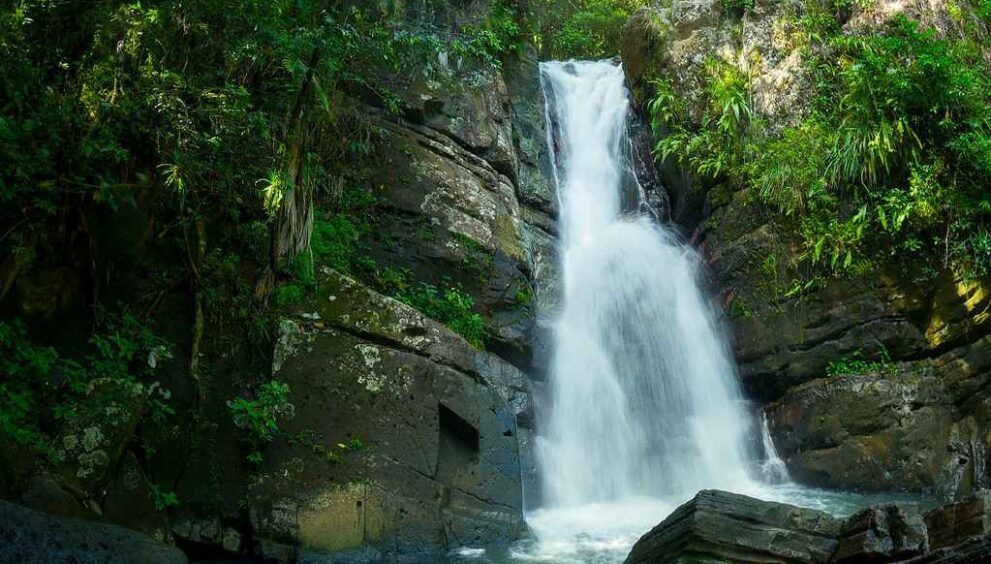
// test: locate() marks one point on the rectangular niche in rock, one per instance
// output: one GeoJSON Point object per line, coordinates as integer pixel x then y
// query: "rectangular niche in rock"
{"type": "Point", "coordinates": [457, 446]}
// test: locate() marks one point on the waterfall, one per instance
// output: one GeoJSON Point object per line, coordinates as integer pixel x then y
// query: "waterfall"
{"type": "Point", "coordinates": [643, 394]}
{"type": "Point", "coordinates": [773, 469]}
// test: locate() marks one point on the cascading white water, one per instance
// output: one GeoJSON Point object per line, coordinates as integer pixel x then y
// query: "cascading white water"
{"type": "Point", "coordinates": [773, 469]}
{"type": "Point", "coordinates": [644, 407]}
{"type": "Point", "coordinates": [644, 398]}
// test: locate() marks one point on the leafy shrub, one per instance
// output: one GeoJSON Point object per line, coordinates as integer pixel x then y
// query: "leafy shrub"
{"type": "Point", "coordinates": [582, 29]}
{"type": "Point", "coordinates": [164, 499]}
{"type": "Point", "coordinates": [42, 392]}
{"type": "Point", "coordinates": [718, 145]}
{"type": "Point", "coordinates": [335, 241]}
{"type": "Point", "coordinates": [28, 373]}
{"type": "Point", "coordinates": [245, 117]}
{"type": "Point", "coordinates": [288, 295]}
{"type": "Point", "coordinates": [259, 417]}
{"type": "Point", "coordinates": [449, 305]}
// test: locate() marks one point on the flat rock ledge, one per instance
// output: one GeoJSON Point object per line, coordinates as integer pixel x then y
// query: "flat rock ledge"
{"type": "Point", "coordinates": [718, 526]}
{"type": "Point", "coordinates": [32, 537]}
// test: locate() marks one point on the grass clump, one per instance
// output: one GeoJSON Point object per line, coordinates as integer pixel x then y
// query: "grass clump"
{"type": "Point", "coordinates": [857, 363]}
{"type": "Point", "coordinates": [451, 306]}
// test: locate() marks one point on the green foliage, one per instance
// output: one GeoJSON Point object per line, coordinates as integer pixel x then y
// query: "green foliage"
{"type": "Point", "coordinates": [259, 417]}
{"type": "Point", "coordinates": [335, 241]}
{"type": "Point", "coordinates": [856, 363]}
{"type": "Point", "coordinates": [720, 144]}
{"type": "Point", "coordinates": [353, 445]}
{"type": "Point", "coordinates": [739, 308]}
{"type": "Point", "coordinates": [581, 29]}
{"type": "Point", "coordinates": [313, 441]}
{"type": "Point", "coordinates": [983, 9]}
{"type": "Point", "coordinates": [43, 392]}
{"type": "Point", "coordinates": [500, 35]}
{"type": "Point", "coordinates": [892, 161]}
{"type": "Point", "coordinates": [164, 499]}
{"type": "Point", "coordinates": [199, 114]}
{"type": "Point", "coordinates": [449, 305]}
{"type": "Point", "coordinates": [27, 372]}
{"type": "Point", "coordinates": [289, 295]}
{"type": "Point", "coordinates": [477, 261]}
{"type": "Point", "coordinates": [523, 297]}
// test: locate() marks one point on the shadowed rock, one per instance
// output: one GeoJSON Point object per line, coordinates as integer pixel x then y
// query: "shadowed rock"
{"type": "Point", "coordinates": [973, 551]}
{"type": "Point", "coordinates": [883, 533]}
{"type": "Point", "coordinates": [952, 524]}
{"type": "Point", "coordinates": [31, 537]}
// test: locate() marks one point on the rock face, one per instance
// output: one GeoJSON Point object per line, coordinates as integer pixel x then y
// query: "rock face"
{"type": "Point", "coordinates": [922, 428]}
{"type": "Point", "coordinates": [466, 195]}
{"type": "Point", "coordinates": [406, 440]}
{"type": "Point", "coordinates": [30, 537]}
{"type": "Point", "coordinates": [407, 435]}
{"type": "Point", "coordinates": [719, 526]}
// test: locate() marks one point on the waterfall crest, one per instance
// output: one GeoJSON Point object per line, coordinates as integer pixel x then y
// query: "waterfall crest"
{"type": "Point", "coordinates": [644, 399]}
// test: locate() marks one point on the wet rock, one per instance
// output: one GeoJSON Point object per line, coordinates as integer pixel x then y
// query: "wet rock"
{"type": "Point", "coordinates": [719, 526]}
{"type": "Point", "coordinates": [31, 537]}
{"type": "Point", "coordinates": [232, 540]}
{"type": "Point", "coordinates": [449, 216]}
{"type": "Point", "coordinates": [883, 533]}
{"type": "Point", "coordinates": [534, 174]}
{"type": "Point", "coordinates": [953, 524]}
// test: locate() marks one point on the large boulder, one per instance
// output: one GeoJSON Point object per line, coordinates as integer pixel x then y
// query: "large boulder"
{"type": "Point", "coordinates": [404, 438]}
{"type": "Point", "coordinates": [919, 426]}
{"type": "Point", "coordinates": [719, 526]}
{"type": "Point", "coordinates": [30, 537]}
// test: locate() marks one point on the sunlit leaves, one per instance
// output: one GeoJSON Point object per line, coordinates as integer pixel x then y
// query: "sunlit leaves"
{"type": "Point", "coordinates": [893, 159]}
